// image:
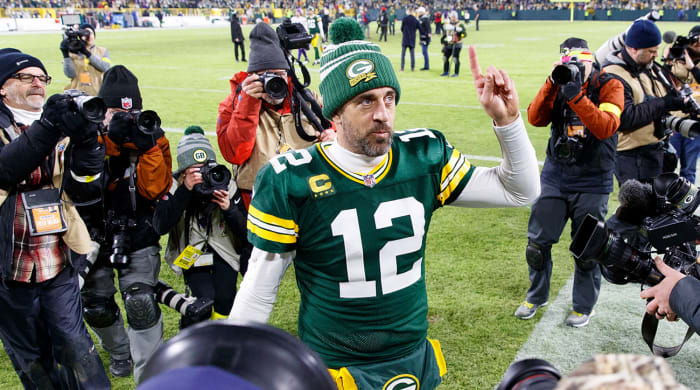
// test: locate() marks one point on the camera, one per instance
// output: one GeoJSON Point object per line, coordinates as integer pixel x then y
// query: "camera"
{"type": "Point", "coordinates": [147, 122]}
{"type": "Point", "coordinates": [569, 144]}
{"type": "Point", "coordinates": [76, 38]}
{"type": "Point", "coordinates": [92, 108]}
{"type": "Point", "coordinates": [677, 51]}
{"type": "Point", "coordinates": [293, 35]}
{"type": "Point", "coordinates": [530, 374]}
{"type": "Point", "coordinates": [214, 177]}
{"type": "Point", "coordinates": [671, 226]}
{"type": "Point", "coordinates": [689, 128]}
{"type": "Point", "coordinates": [193, 309]}
{"type": "Point", "coordinates": [274, 85]}
{"type": "Point", "coordinates": [121, 242]}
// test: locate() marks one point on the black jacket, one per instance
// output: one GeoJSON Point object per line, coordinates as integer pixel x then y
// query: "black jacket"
{"type": "Point", "coordinates": [383, 19]}
{"type": "Point", "coordinates": [236, 33]}
{"type": "Point", "coordinates": [685, 301]}
{"type": "Point", "coordinates": [634, 115]}
{"type": "Point", "coordinates": [424, 29]}
{"type": "Point", "coordinates": [35, 147]}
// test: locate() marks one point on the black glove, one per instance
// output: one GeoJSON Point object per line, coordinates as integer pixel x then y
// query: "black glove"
{"type": "Point", "coordinates": [64, 48]}
{"type": "Point", "coordinates": [121, 127]}
{"type": "Point", "coordinates": [84, 51]}
{"type": "Point", "coordinates": [571, 89]}
{"type": "Point", "coordinates": [673, 102]}
{"type": "Point", "coordinates": [143, 141]}
{"type": "Point", "coordinates": [61, 113]}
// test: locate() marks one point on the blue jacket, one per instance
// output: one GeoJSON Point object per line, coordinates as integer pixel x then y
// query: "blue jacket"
{"type": "Point", "coordinates": [409, 25]}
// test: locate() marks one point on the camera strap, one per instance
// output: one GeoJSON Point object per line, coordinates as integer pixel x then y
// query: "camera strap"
{"type": "Point", "coordinates": [304, 102]}
{"type": "Point", "coordinates": [133, 157]}
{"type": "Point", "coordinates": [650, 325]}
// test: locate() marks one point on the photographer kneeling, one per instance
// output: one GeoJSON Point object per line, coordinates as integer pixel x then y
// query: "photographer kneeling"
{"type": "Point", "coordinates": [256, 121]}
{"type": "Point", "coordinates": [207, 226]}
{"type": "Point", "coordinates": [583, 104]}
{"type": "Point", "coordinates": [138, 172]}
{"type": "Point", "coordinates": [49, 158]}
{"type": "Point", "coordinates": [84, 62]}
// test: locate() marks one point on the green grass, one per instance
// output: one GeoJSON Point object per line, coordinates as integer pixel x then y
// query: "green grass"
{"type": "Point", "coordinates": [475, 267]}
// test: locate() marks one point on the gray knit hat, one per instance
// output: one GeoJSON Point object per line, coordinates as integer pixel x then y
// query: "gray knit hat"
{"type": "Point", "coordinates": [352, 66]}
{"type": "Point", "coordinates": [193, 148]}
{"type": "Point", "coordinates": [265, 50]}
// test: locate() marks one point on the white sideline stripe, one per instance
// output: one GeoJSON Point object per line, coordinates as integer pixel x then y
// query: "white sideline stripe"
{"type": "Point", "coordinates": [615, 328]}
{"type": "Point", "coordinates": [468, 156]}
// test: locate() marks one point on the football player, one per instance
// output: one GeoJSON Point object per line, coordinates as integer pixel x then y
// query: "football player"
{"type": "Point", "coordinates": [353, 215]}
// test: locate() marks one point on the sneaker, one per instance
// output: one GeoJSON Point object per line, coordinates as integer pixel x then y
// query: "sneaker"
{"type": "Point", "coordinates": [579, 320]}
{"type": "Point", "coordinates": [120, 368]}
{"type": "Point", "coordinates": [445, 74]}
{"type": "Point", "coordinates": [455, 75]}
{"type": "Point", "coordinates": [527, 310]}
{"type": "Point", "coordinates": [424, 69]}
{"type": "Point", "coordinates": [316, 62]}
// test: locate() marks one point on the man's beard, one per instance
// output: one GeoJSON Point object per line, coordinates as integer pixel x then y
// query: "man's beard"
{"type": "Point", "coordinates": [365, 145]}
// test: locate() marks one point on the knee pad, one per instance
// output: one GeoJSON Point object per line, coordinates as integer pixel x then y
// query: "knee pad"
{"type": "Point", "coordinates": [536, 256]}
{"type": "Point", "coordinates": [100, 312]}
{"type": "Point", "coordinates": [142, 309]}
{"type": "Point", "coordinates": [586, 264]}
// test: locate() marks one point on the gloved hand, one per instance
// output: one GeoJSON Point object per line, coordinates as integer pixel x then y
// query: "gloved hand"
{"type": "Point", "coordinates": [121, 128]}
{"type": "Point", "coordinates": [571, 89]}
{"type": "Point", "coordinates": [61, 113]}
{"type": "Point", "coordinates": [143, 141]}
{"type": "Point", "coordinates": [64, 48]}
{"type": "Point", "coordinates": [84, 51]}
{"type": "Point", "coordinates": [673, 102]}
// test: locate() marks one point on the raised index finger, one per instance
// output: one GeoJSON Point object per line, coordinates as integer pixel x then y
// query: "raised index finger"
{"type": "Point", "coordinates": [474, 63]}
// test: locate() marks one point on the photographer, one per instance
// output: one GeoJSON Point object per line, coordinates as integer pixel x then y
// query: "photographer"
{"type": "Point", "coordinates": [42, 323]}
{"type": "Point", "coordinates": [138, 172]}
{"type": "Point", "coordinates": [649, 96]}
{"type": "Point", "coordinates": [583, 105]}
{"type": "Point", "coordinates": [675, 296]}
{"type": "Point", "coordinates": [83, 61]}
{"type": "Point", "coordinates": [203, 218]}
{"type": "Point", "coordinates": [682, 59]}
{"type": "Point", "coordinates": [252, 126]}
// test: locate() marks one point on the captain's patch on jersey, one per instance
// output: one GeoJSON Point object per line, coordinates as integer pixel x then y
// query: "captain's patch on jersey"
{"type": "Point", "coordinates": [360, 70]}
{"type": "Point", "coordinates": [402, 382]}
{"type": "Point", "coordinates": [321, 185]}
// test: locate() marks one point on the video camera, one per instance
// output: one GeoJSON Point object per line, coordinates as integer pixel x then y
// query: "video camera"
{"type": "Point", "coordinates": [671, 226]}
{"type": "Point", "coordinates": [76, 38]}
{"type": "Point", "coordinates": [214, 177]}
{"type": "Point", "coordinates": [293, 35]}
{"type": "Point", "coordinates": [680, 44]}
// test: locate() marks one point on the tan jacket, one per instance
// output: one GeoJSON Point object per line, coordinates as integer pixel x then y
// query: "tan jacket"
{"type": "Point", "coordinates": [87, 78]}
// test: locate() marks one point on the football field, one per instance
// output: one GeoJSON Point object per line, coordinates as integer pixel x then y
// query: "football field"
{"type": "Point", "coordinates": [476, 272]}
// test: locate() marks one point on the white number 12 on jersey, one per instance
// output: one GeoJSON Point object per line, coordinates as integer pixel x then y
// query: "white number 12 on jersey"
{"type": "Point", "coordinates": [347, 225]}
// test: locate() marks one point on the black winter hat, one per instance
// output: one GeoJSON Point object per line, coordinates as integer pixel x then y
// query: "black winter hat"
{"type": "Point", "coordinates": [88, 25]}
{"type": "Point", "coordinates": [265, 50]}
{"type": "Point", "coordinates": [120, 89]}
{"type": "Point", "coordinates": [13, 60]}
{"type": "Point", "coordinates": [695, 31]}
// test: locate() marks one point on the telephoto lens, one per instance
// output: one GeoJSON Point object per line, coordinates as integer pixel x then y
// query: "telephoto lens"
{"type": "Point", "coordinates": [564, 73]}
{"type": "Point", "coordinates": [275, 86]}
{"type": "Point", "coordinates": [147, 121]}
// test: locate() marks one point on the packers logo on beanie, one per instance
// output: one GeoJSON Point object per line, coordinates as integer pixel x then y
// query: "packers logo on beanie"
{"type": "Point", "coordinates": [352, 66]}
{"type": "Point", "coordinates": [193, 148]}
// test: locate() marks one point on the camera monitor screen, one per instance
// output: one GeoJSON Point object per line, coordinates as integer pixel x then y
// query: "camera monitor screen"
{"type": "Point", "coordinates": [70, 19]}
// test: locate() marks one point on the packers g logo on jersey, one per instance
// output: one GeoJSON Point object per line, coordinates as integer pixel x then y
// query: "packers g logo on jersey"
{"type": "Point", "coordinates": [360, 70]}
{"type": "Point", "coordinates": [402, 382]}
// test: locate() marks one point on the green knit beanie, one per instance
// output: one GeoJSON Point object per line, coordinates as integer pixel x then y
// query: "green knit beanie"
{"type": "Point", "coordinates": [352, 66]}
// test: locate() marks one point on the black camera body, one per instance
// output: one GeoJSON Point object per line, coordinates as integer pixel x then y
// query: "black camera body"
{"type": "Point", "coordinates": [274, 85]}
{"type": "Point", "coordinates": [93, 108]}
{"type": "Point", "coordinates": [293, 35]}
{"type": "Point", "coordinates": [76, 38]}
{"type": "Point", "coordinates": [569, 142]}
{"type": "Point", "coordinates": [147, 122]}
{"type": "Point", "coordinates": [671, 227]}
{"type": "Point", "coordinates": [120, 227]}
{"type": "Point", "coordinates": [565, 73]}
{"type": "Point", "coordinates": [215, 177]}
{"type": "Point", "coordinates": [677, 51]}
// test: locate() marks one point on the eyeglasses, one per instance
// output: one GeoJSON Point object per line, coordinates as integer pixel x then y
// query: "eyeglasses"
{"type": "Point", "coordinates": [29, 78]}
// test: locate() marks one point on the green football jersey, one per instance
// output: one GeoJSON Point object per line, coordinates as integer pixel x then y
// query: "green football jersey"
{"type": "Point", "coordinates": [314, 24]}
{"type": "Point", "coordinates": [359, 241]}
